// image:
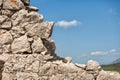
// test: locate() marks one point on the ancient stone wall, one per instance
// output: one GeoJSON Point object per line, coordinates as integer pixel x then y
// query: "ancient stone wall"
{"type": "Point", "coordinates": [28, 53]}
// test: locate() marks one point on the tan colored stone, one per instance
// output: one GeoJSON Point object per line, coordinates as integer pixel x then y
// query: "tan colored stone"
{"type": "Point", "coordinates": [6, 38]}
{"type": "Point", "coordinates": [18, 17]}
{"type": "Point", "coordinates": [93, 65]}
{"type": "Point", "coordinates": [7, 48]}
{"type": "Point", "coordinates": [1, 1]}
{"type": "Point", "coordinates": [7, 76]}
{"type": "Point", "coordinates": [87, 76]}
{"type": "Point", "coordinates": [2, 18]}
{"type": "Point", "coordinates": [43, 30]}
{"type": "Point", "coordinates": [7, 24]}
{"type": "Point", "coordinates": [107, 75]}
{"type": "Point", "coordinates": [26, 76]}
{"type": "Point", "coordinates": [34, 67]}
{"type": "Point", "coordinates": [68, 68]}
{"type": "Point", "coordinates": [68, 59]}
{"type": "Point", "coordinates": [13, 4]}
{"type": "Point", "coordinates": [7, 12]}
{"type": "Point", "coordinates": [21, 45]}
{"type": "Point", "coordinates": [37, 45]}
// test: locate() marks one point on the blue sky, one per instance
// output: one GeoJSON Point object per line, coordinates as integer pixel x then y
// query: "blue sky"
{"type": "Point", "coordinates": [84, 29]}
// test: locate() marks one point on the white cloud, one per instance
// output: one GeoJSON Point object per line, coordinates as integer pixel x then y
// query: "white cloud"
{"type": "Point", "coordinates": [66, 24]}
{"type": "Point", "coordinates": [113, 51]}
{"type": "Point", "coordinates": [98, 53]}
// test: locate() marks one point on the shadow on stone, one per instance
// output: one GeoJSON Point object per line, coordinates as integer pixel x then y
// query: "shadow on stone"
{"type": "Point", "coordinates": [1, 68]}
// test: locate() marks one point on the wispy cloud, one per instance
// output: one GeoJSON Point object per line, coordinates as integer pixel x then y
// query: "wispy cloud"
{"type": "Point", "coordinates": [67, 24]}
{"type": "Point", "coordinates": [100, 53]}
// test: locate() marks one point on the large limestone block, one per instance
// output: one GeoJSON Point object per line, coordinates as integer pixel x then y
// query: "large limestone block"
{"type": "Point", "coordinates": [18, 17]}
{"type": "Point", "coordinates": [38, 46]}
{"type": "Point", "coordinates": [23, 17]}
{"type": "Point", "coordinates": [13, 4]}
{"type": "Point", "coordinates": [21, 45]}
{"type": "Point", "coordinates": [107, 75]}
{"type": "Point", "coordinates": [43, 30]}
{"type": "Point", "coordinates": [6, 38]}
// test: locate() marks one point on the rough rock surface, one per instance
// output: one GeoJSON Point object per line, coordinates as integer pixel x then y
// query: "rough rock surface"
{"type": "Point", "coordinates": [28, 53]}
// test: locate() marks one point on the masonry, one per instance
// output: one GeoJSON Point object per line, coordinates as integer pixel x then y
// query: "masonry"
{"type": "Point", "coordinates": [28, 53]}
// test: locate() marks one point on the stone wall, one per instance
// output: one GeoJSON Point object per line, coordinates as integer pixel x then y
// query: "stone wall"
{"type": "Point", "coordinates": [28, 53]}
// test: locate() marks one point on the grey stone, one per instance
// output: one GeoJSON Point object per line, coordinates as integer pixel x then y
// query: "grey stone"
{"type": "Point", "coordinates": [50, 45]}
{"type": "Point", "coordinates": [21, 45]}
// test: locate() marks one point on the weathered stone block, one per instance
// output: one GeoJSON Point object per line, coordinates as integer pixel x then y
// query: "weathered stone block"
{"type": "Point", "coordinates": [21, 45]}
{"type": "Point", "coordinates": [13, 4]}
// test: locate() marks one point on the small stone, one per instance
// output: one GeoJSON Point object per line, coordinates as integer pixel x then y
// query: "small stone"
{"type": "Point", "coordinates": [83, 66]}
{"type": "Point", "coordinates": [37, 45]}
{"type": "Point", "coordinates": [6, 48]}
{"type": "Point", "coordinates": [92, 66]}
{"type": "Point", "coordinates": [34, 17]}
{"type": "Point", "coordinates": [32, 8]}
{"type": "Point", "coordinates": [30, 59]}
{"type": "Point", "coordinates": [68, 59]}
{"type": "Point", "coordinates": [3, 18]}
{"type": "Point", "coordinates": [13, 4]}
{"type": "Point", "coordinates": [19, 17]}
{"type": "Point", "coordinates": [21, 45]}
{"type": "Point", "coordinates": [7, 12]}
{"type": "Point", "coordinates": [6, 38]}
{"type": "Point", "coordinates": [7, 24]}
{"type": "Point", "coordinates": [87, 76]}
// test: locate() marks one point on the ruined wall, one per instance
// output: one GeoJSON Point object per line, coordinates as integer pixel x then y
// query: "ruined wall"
{"type": "Point", "coordinates": [28, 52]}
